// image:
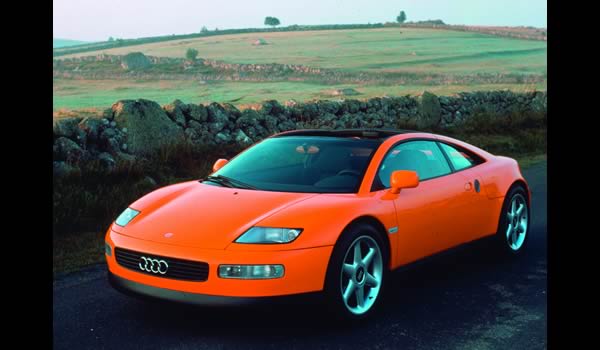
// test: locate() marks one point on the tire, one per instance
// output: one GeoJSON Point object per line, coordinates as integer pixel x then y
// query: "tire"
{"type": "Point", "coordinates": [511, 242]}
{"type": "Point", "coordinates": [350, 275]}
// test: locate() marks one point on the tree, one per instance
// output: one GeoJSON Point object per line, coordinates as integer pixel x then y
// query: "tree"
{"type": "Point", "coordinates": [191, 54]}
{"type": "Point", "coordinates": [204, 29]}
{"type": "Point", "coordinates": [110, 38]}
{"type": "Point", "coordinates": [401, 17]}
{"type": "Point", "coordinates": [272, 21]}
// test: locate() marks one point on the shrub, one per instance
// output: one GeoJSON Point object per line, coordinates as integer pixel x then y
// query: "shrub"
{"type": "Point", "coordinates": [191, 54]}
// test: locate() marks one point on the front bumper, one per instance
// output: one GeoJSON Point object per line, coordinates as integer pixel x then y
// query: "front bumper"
{"type": "Point", "coordinates": [305, 271]}
{"type": "Point", "coordinates": [143, 291]}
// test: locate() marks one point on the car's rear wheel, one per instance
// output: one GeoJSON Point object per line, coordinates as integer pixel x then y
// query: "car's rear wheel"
{"type": "Point", "coordinates": [513, 229]}
{"type": "Point", "coordinates": [356, 273]}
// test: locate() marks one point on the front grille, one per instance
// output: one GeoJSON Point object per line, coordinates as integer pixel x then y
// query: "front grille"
{"type": "Point", "coordinates": [178, 269]}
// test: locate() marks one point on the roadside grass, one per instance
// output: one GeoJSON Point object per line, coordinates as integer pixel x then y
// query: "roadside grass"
{"type": "Point", "coordinates": [73, 252]}
{"type": "Point", "coordinates": [80, 94]}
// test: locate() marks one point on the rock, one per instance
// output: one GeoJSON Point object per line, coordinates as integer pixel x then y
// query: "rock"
{"type": "Point", "coordinates": [175, 111]}
{"type": "Point", "coordinates": [124, 157]}
{"type": "Point", "coordinates": [540, 102]}
{"type": "Point", "coordinates": [61, 168]}
{"type": "Point", "coordinates": [272, 107]}
{"type": "Point", "coordinates": [231, 110]}
{"type": "Point", "coordinates": [196, 126]}
{"type": "Point", "coordinates": [149, 181]}
{"type": "Point", "coordinates": [67, 150]}
{"type": "Point", "coordinates": [343, 92]}
{"type": "Point", "coordinates": [135, 61]}
{"type": "Point", "coordinates": [217, 118]}
{"type": "Point", "coordinates": [290, 103]}
{"type": "Point", "coordinates": [270, 123]}
{"type": "Point", "coordinates": [248, 118]}
{"type": "Point", "coordinates": [197, 112]}
{"type": "Point", "coordinates": [223, 137]}
{"type": "Point", "coordinates": [260, 42]}
{"type": "Point", "coordinates": [191, 135]}
{"type": "Point", "coordinates": [430, 111]}
{"type": "Point", "coordinates": [287, 125]}
{"type": "Point", "coordinates": [66, 127]}
{"type": "Point", "coordinates": [149, 128]}
{"type": "Point", "coordinates": [330, 107]}
{"type": "Point", "coordinates": [92, 128]}
{"type": "Point", "coordinates": [242, 138]}
{"type": "Point", "coordinates": [146, 184]}
{"type": "Point", "coordinates": [106, 161]}
{"type": "Point", "coordinates": [108, 114]}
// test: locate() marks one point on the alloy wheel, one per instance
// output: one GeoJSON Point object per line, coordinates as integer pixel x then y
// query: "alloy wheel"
{"type": "Point", "coordinates": [362, 275]}
{"type": "Point", "coordinates": [517, 222]}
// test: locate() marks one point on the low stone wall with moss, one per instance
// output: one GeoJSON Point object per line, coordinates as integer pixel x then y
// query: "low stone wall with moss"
{"type": "Point", "coordinates": [134, 129]}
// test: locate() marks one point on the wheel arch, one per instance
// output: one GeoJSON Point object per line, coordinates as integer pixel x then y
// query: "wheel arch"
{"type": "Point", "coordinates": [520, 182]}
{"type": "Point", "coordinates": [380, 228]}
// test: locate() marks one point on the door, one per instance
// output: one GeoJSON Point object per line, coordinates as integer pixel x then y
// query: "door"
{"type": "Point", "coordinates": [479, 208]}
{"type": "Point", "coordinates": [427, 215]}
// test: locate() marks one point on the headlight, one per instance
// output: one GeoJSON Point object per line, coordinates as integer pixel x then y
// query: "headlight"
{"type": "Point", "coordinates": [126, 216]}
{"type": "Point", "coordinates": [251, 271]}
{"type": "Point", "coordinates": [267, 235]}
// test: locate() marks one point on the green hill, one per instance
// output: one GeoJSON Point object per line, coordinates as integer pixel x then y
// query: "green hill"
{"type": "Point", "coordinates": [407, 60]}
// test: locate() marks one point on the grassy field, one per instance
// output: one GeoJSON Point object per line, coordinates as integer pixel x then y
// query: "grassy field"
{"type": "Point", "coordinates": [77, 94]}
{"type": "Point", "coordinates": [381, 49]}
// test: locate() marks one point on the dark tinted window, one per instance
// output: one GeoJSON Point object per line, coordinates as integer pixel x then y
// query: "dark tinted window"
{"type": "Point", "coordinates": [303, 164]}
{"type": "Point", "coordinates": [424, 157]}
{"type": "Point", "coordinates": [460, 159]}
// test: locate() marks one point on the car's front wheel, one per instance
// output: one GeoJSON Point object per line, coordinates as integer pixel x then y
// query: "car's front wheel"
{"type": "Point", "coordinates": [356, 273]}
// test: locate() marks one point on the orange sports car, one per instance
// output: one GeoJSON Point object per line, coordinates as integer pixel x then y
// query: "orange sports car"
{"type": "Point", "coordinates": [328, 211]}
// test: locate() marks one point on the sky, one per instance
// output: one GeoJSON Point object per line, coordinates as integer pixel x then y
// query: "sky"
{"type": "Point", "coordinates": [93, 20]}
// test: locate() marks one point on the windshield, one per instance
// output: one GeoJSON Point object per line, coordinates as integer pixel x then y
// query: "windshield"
{"type": "Point", "coordinates": [312, 164]}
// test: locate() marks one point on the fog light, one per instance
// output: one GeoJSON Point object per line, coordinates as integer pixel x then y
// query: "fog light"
{"type": "Point", "coordinates": [251, 271]}
{"type": "Point", "coordinates": [107, 249]}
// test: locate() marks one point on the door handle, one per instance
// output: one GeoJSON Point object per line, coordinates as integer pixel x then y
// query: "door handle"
{"type": "Point", "coordinates": [477, 186]}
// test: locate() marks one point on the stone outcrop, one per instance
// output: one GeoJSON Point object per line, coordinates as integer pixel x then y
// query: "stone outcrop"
{"type": "Point", "coordinates": [147, 125]}
{"type": "Point", "coordinates": [135, 61]}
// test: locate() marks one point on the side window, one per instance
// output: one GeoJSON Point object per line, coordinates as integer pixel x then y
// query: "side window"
{"type": "Point", "coordinates": [424, 157]}
{"type": "Point", "coordinates": [459, 158]}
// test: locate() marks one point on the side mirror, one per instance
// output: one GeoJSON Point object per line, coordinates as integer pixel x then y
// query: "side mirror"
{"type": "Point", "coordinates": [403, 179]}
{"type": "Point", "coordinates": [219, 164]}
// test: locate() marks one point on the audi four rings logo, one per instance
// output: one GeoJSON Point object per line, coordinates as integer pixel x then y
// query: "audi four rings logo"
{"type": "Point", "coordinates": [153, 265]}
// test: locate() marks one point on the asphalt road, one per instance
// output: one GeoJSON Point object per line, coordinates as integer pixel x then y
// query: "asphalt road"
{"type": "Point", "coordinates": [464, 300]}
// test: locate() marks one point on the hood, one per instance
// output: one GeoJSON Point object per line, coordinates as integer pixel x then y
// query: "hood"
{"type": "Point", "coordinates": [204, 216]}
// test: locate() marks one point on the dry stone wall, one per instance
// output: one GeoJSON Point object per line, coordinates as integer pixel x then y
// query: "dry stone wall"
{"type": "Point", "coordinates": [133, 129]}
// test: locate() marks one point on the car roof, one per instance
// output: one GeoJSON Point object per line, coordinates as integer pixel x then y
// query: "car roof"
{"type": "Point", "coordinates": [378, 134]}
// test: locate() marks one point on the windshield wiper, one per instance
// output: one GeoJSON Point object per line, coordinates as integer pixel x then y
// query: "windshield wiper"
{"type": "Point", "coordinates": [229, 182]}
